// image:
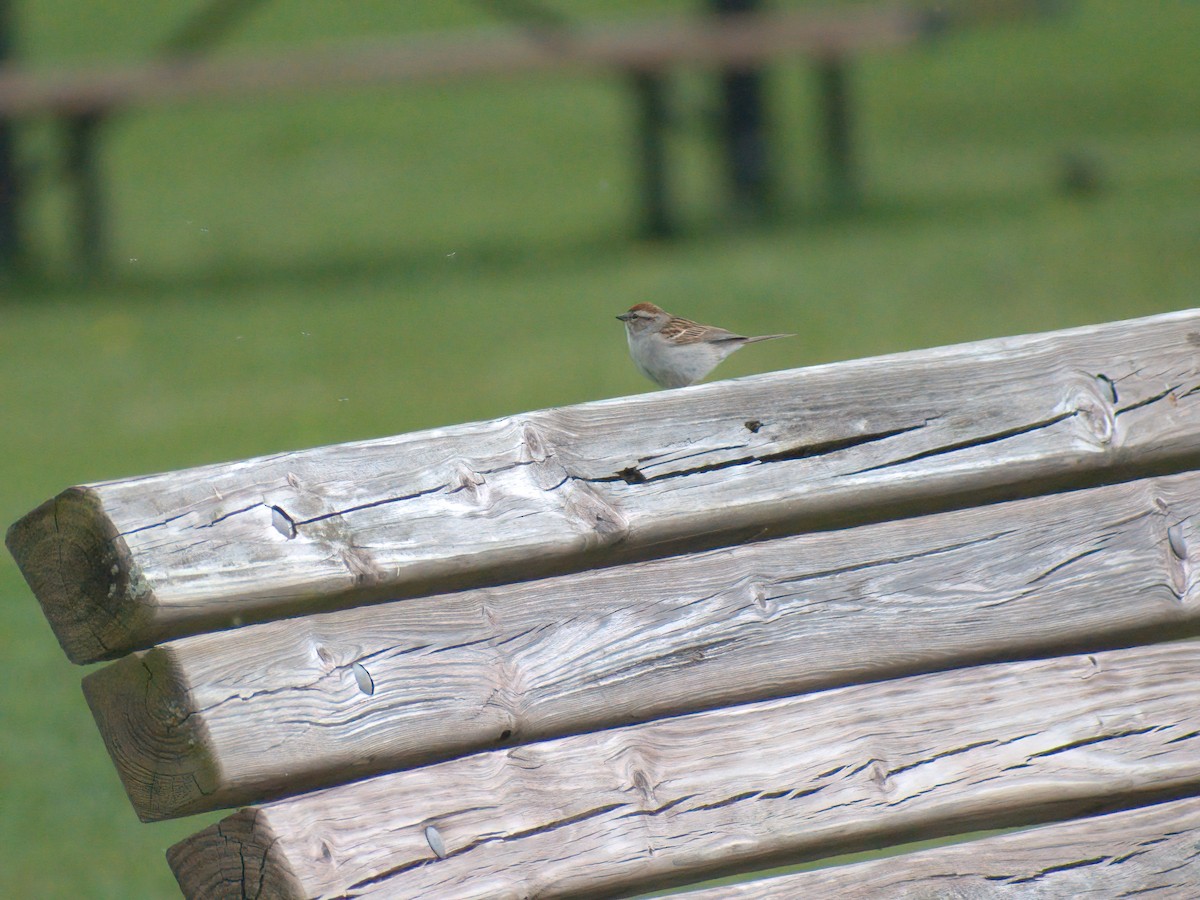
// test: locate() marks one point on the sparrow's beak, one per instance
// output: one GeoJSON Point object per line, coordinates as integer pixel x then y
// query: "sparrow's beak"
{"type": "Point", "coordinates": [625, 317]}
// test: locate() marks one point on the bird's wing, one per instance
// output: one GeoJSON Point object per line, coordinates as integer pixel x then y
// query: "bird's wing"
{"type": "Point", "coordinates": [685, 331]}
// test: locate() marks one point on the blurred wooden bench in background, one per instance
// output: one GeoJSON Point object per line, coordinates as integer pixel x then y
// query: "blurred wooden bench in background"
{"type": "Point", "coordinates": [736, 43]}
{"type": "Point", "coordinates": [642, 642]}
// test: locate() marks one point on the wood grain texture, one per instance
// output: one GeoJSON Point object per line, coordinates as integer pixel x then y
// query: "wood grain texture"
{"type": "Point", "coordinates": [602, 483]}
{"type": "Point", "coordinates": [1148, 852]}
{"type": "Point", "coordinates": [219, 720]}
{"type": "Point", "coordinates": [677, 800]}
{"type": "Point", "coordinates": [80, 569]}
{"type": "Point", "coordinates": [247, 855]}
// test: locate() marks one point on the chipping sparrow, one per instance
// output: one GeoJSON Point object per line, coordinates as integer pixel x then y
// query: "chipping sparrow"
{"type": "Point", "coordinates": [674, 352]}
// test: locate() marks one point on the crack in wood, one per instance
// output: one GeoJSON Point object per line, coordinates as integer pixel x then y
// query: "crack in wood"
{"type": "Point", "coordinates": [967, 748]}
{"type": "Point", "coordinates": [536, 629]}
{"type": "Point", "coordinates": [499, 838]}
{"type": "Point", "coordinates": [803, 451]}
{"type": "Point", "coordinates": [293, 687]}
{"type": "Point", "coordinates": [1184, 737]}
{"type": "Point", "coordinates": [728, 801]}
{"type": "Point", "coordinates": [1129, 520]}
{"type": "Point", "coordinates": [296, 523]}
{"type": "Point", "coordinates": [1062, 867]}
{"type": "Point", "coordinates": [473, 643]}
{"type": "Point", "coordinates": [167, 521]}
{"type": "Point", "coordinates": [859, 768]}
{"type": "Point", "coordinates": [887, 561]}
{"type": "Point", "coordinates": [369, 711]}
{"type": "Point", "coordinates": [374, 503]}
{"type": "Point", "coordinates": [800, 793]}
{"type": "Point", "coordinates": [664, 459]}
{"type": "Point", "coordinates": [253, 695]}
{"type": "Point", "coordinates": [1095, 739]}
{"type": "Point", "coordinates": [1066, 562]}
{"type": "Point", "coordinates": [929, 790]}
{"type": "Point", "coordinates": [970, 443]}
{"type": "Point", "coordinates": [659, 810]}
{"type": "Point", "coordinates": [242, 848]}
{"type": "Point", "coordinates": [677, 659]}
{"type": "Point", "coordinates": [1159, 396]}
{"type": "Point", "coordinates": [231, 514]}
{"type": "Point", "coordinates": [1132, 854]}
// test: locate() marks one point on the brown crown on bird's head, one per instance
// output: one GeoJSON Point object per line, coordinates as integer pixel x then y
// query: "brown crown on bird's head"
{"type": "Point", "coordinates": [644, 312]}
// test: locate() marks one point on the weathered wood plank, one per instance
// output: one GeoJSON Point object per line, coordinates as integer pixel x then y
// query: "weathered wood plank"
{"type": "Point", "coordinates": [1151, 851]}
{"type": "Point", "coordinates": [231, 718]}
{"type": "Point", "coordinates": [126, 564]}
{"type": "Point", "coordinates": [677, 800]}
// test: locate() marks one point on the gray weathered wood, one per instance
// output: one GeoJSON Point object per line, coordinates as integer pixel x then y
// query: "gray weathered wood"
{"type": "Point", "coordinates": [125, 564]}
{"type": "Point", "coordinates": [230, 718]}
{"type": "Point", "coordinates": [1151, 851]}
{"type": "Point", "coordinates": [678, 800]}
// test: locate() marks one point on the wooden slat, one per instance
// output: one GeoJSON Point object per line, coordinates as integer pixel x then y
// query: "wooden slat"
{"type": "Point", "coordinates": [677, 800]}
{"type": "Point", "coordinates": [1151, 851]}
{"type": "Point", "coordinates": [125, 564]}
{"type": "Point", "coordinates": [224, 719]}
{"type": "Point", "coordinates": [642, 46]}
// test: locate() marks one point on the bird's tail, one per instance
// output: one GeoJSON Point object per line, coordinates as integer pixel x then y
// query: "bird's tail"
{"type": "Point", "coordinates": [766, 337]}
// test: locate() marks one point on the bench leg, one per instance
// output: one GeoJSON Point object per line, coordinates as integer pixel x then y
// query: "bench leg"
{"type": "Point", "coordinates": [82, 143]}
{"type": "Point", "coordinates": [836, 126]}
{"type": "Point", "coordinates": [12, 243]}
{"type": "Point", "coordinates": [744, 127]}
{"type": "Point", "coordinates": [650, 95]}
{"type": "Point", "coordinates": [745, 138]}
{"type": "Point", "coordinates": [12, 249]}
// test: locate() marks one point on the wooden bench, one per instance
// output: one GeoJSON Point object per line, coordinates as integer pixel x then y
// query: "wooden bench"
{"type": "Point", "coordinates": [643, 51]}
{"type": "Point", "coordinates": [642, 642]}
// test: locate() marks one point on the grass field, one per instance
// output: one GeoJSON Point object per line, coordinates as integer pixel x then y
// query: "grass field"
{"type": "Point", "coordinates": [319, 270]}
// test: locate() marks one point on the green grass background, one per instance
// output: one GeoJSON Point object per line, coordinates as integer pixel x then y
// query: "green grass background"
{"type": "Point", "coordinates": [308, 271]}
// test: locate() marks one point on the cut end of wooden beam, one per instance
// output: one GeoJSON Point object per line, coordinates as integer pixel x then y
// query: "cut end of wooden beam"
{"type": "Point", "coordinates": [143, 708]}
{"type": "Point", "coordinates": [82, 573]}
{"type": "Point", "coordinates": [236, 854]}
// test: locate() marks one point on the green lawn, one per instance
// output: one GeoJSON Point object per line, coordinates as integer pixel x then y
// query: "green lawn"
{"type": "Point", "coordinates": [307, 272]}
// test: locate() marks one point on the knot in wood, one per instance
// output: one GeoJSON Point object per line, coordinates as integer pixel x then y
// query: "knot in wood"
{"type": "Point", "coordinates": [1178, 562]}
{"type": "Point", "coordinates": [594, 514]}
{"type": "Point", "coordinates": [533, 444]}
{"type": "Point", "coordinates": [766, 606]}
{"type": "Point", "coordinates": [1096, 415]}
{"type": "Point", "coordinates": [468, 480]}
{"type": "Point", "coordinates": [361, 565]}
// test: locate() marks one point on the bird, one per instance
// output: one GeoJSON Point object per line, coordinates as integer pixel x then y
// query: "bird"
{"type": "Point", "coordinates": [675, 352]}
